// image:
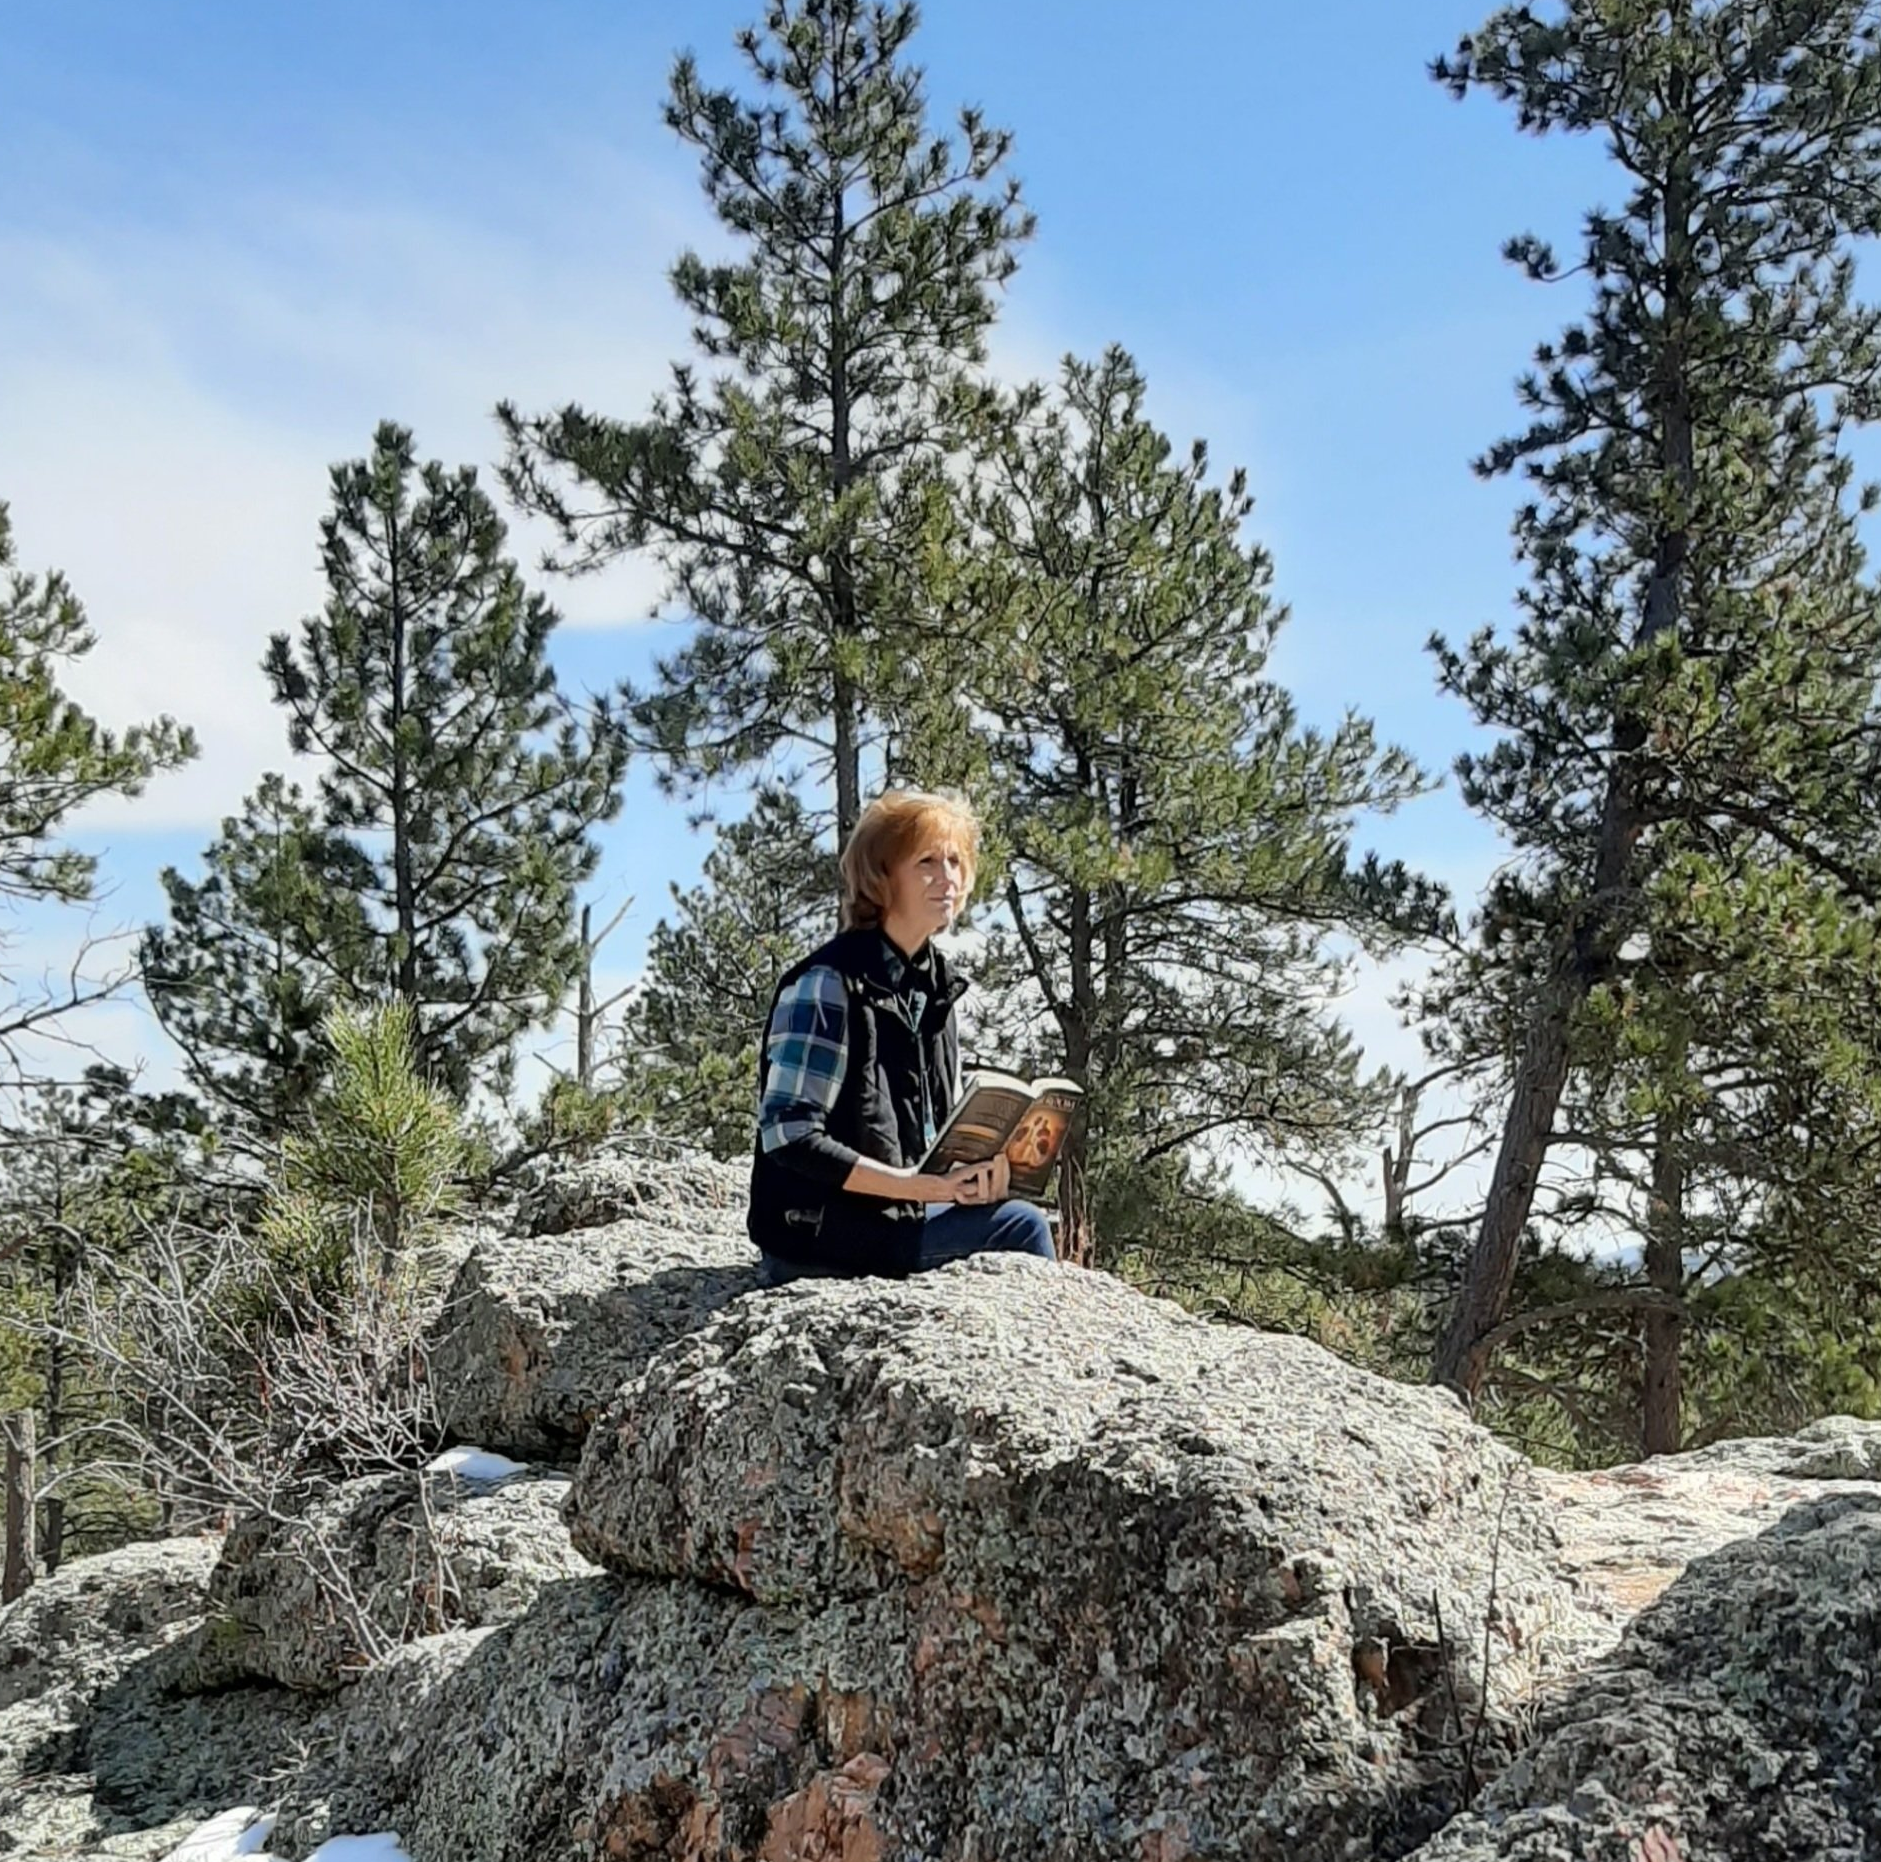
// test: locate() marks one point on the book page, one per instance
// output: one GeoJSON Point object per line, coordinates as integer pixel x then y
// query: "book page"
{"type": "Point", "coordinates": [979, 1124]}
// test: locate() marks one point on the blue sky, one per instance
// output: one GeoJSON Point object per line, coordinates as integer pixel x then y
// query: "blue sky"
{"type": "Point", "coordinates": [232, 239]}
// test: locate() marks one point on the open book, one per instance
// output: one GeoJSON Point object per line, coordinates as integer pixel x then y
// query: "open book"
{"type": "Point", "coordinates": [1027, 1119]}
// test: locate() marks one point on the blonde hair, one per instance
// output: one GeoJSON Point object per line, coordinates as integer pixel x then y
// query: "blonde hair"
{"type": "Point", "coordinates": [893, 826]}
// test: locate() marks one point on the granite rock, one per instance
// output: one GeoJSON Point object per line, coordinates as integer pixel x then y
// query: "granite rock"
{"type": "Point", "coordinates": [1006, 1560]}
{"type": "Point", "coordinates": [104, 1750]}
{"type": "Point", "coordinates": [310, 1601]}
{"type": "Point", "coordinates": [540, 1330]}
{"type": "Point", "coordinates": [1738, 1721]}
{"type": "Point", "coordinates": [1003, 1562]}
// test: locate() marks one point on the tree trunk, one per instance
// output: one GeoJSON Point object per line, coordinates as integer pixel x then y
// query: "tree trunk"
{"type": "Point", "coordinates": [404, 890]}
{"type": "Point", "coordinates": [584, 1010]}
{"type": "Point", "coordinates": [18, 1570]}
{"type": "Point", "coordinates": [848, 758]}
{"type": "Point", "coordinates": [277, 1090]}
{"type": "Point", "coordinates": [55, 1531]}
{"type": "Point", "coordinates": [1397, 1168]}
{"type": "Point", "coordinates": [845, 701]}
{"type": "Point", "coordinates": [1665, 1273]}
{"type": "Point", "coordinates": [1586, 956]}
{"type": "Point", "coordinates": [1077, 1238]}
{"type": "Point", "coordinates": [65, 1266]}
{"type": "Point", "coordinates": [54, 1540]}
{"type": "Point", "coordinates": [1490, 1273]}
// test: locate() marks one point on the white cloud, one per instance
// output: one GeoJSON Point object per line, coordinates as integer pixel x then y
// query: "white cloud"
{"type": "Point", "coordinates": [188, 534]}
{"type": "Point", "coordinates": [171, 399]}
{"type": "Point", "coordinates": [172, 396]}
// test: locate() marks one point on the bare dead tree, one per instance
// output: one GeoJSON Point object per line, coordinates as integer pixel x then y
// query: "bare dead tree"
{"type": "Point", "coordinates": [21, 1506]}
{"type": "Point", "coordinates": [36, 1015]}
{"type": "Point", "coordinates": [236, 1394]}
{"type": "Point", "coordinates": [587, 1010]}
{"type": "Point", "coordinates": [1399, 1167]}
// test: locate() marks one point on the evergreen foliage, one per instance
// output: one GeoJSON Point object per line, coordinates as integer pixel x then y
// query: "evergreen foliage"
{"type": "Point", "coordinates": [246, 972]}
{"type": "Point", "coordinates": [1686, 712]}
{"type": "Point", "coordinates": [451, 760]}
{"type": "Point", "coordinates": [382, 1146]}
{"type": "Point", "coordinates": [456, 792]}
{"type": "Point", "coordinates": [1176, 844]}
{"type": "Point", "coordinates": [55, 758]}
{"type": "Point", "coordinates": [688, 1056]}
{"type": "Point", "coordinates": [781, 493]}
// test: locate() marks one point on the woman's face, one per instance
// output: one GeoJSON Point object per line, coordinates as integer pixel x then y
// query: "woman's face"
{"type": "Point", "coordinates": [927, 888]}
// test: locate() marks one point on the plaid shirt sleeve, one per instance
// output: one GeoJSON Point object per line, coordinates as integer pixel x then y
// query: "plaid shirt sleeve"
{"type": "Point", "coordinates": [806, 1048]}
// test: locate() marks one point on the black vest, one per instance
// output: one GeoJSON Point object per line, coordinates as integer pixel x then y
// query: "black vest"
{"type": "Point", "coordinates": [879, 1112]}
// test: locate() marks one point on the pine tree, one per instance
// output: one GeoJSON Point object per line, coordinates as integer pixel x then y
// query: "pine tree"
{"type": "Point", "coordinates": [1176, 846]}
{"type": "Point", "coordinates": [1722, 1106]}
{"type": "Point", "coordinates": [689, 1044]}
{"type": "Point", "coordinates": [254, 957]}
{"type": "Point", "coordinates": [454, 773]}
{"type": "Point", "coordinates": [379, 1154]}
{"type": "Point", "coordinates": [54, 759]}
{"type": "Point", "coordinates": [1733, 1093]}
{"type": "Point", "coordinates": [1691, 691]}
{"type": "Point", "coordinates": [780, 493]}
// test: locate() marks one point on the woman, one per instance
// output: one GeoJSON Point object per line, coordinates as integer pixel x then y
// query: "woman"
{"type": "Point", "coordinates": [861, 1064]}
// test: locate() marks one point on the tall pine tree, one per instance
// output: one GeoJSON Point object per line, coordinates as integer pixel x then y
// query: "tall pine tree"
{"type": "Point", "coordinates": [1176, 846]}
{"type": "Point", "coordinates": [1720, 1108]}
{"type": "Point", "coordinates": [686, 1059]}
{"type": "Point", "coordinates": [54, 758]}
{"type": "Point", "coordinates": [1691, 690]}
{"type": "Point", "coordinates": [781, 492]}
{"type": "Point", "coordinates": [1734, 1096]}
{"type": "Point", "coordinates": [451, 765]}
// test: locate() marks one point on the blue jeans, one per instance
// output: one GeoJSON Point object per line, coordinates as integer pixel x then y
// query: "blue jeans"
{"type": "Point", "coordinates": [952, 1233]}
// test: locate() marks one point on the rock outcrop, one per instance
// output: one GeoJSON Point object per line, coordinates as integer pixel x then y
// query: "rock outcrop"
{"type": "Point", "coordinates": [1004, 1562]}
{"type": "Point", "coordinates": [385, 1559]}
{"type": "Point", "coordinates": [618, 1259]}
{"type": "Point", "coordinates": [104, 1749]}
{"type": "Point", "coordinates": [1739, 1721]}
{"type": "Point", "coordinates": [1629, 1531]}
{"type": "Point", "coordinates": [663, 1189]}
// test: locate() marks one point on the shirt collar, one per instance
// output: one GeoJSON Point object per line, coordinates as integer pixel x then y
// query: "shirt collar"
{"type": "Point", "coordinates": [901, 971]}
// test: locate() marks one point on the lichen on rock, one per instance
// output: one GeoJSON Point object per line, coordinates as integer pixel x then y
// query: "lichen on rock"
{"type": "Point", "coordinates": [1003, 1561]}
{"type": "Point", "coordinates": [309, 1601]}
{"type": "Point", "coordinates": [1738, 1721]}
{"type": "Point", "coordinates": [540, 1329]}
{"type": "Point", "coordinates": [1010, 1560]}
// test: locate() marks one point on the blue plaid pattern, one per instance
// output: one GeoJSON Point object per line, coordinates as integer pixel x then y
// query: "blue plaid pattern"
{"type": "Point", "coordinates": [805, 1052]}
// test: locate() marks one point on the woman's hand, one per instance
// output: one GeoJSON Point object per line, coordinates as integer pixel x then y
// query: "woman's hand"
{"type": "Point", "coordinates": [980, 1183]}
{"type": "Point", "coordinates": [966, 1183]}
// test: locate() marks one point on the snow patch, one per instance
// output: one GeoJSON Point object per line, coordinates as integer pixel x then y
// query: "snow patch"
{"type": "Point", "coordinates": [238, 1831]}
{"type": "Point", "coordinates": [241, 1830]}
{"type": "Point", "coordinates": [473, 1464]}
{"type": "Point", "coordinates": [380, 1848]}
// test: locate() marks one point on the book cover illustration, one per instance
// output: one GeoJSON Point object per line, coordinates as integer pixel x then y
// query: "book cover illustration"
{"type": "Point", "coordinates": [1028, 1120]}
